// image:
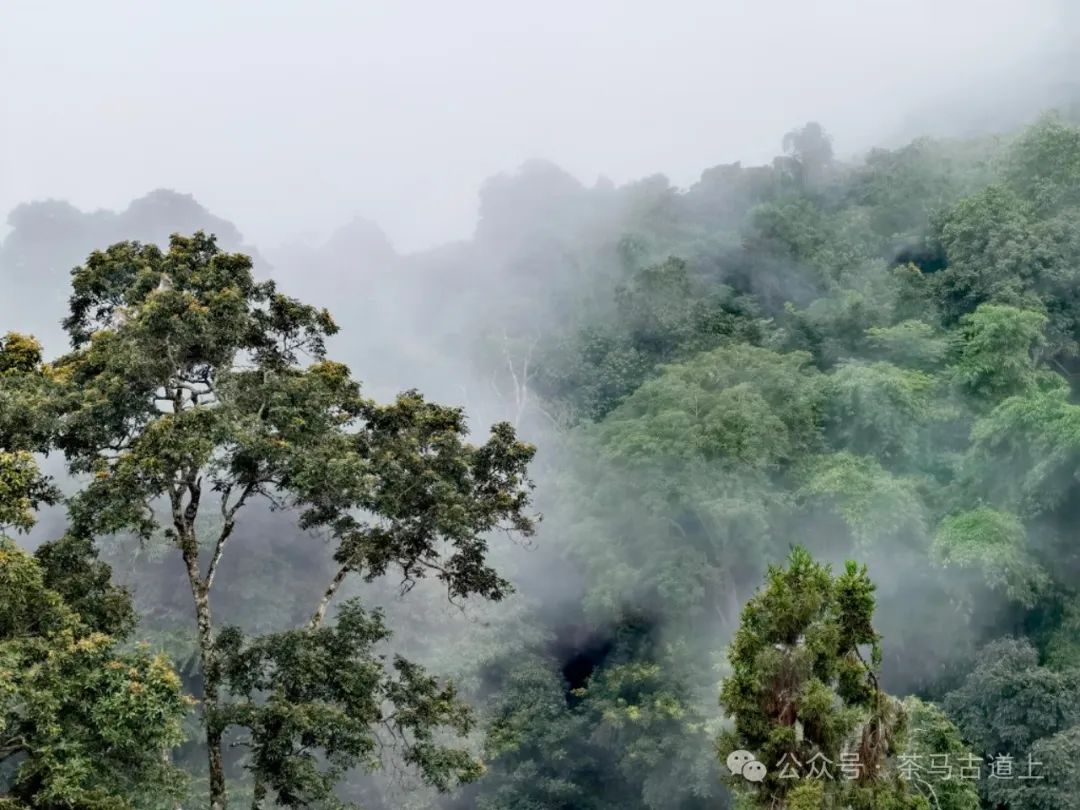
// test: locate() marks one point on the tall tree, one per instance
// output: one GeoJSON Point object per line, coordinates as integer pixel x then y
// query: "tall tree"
{"type": "Point", "coordinates": [802, 691]}
{"type": "Point", "coordinates": [186, 385]}
{"type": "Point", "coordinates": [83, 722]}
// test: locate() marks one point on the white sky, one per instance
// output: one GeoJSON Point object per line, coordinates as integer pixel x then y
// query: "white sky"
{"type": "Point", "coordinates": [291, 117]}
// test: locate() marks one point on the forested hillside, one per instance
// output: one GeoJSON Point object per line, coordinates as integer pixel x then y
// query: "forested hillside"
{"type": "Point", "coordinates": [614, 554]}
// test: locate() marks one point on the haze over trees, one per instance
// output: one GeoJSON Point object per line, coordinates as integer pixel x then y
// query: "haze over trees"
{"type": "Point", "coordinates": [723, 394]}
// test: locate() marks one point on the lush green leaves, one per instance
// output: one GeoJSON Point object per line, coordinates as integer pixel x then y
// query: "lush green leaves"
{"type": "Point", "coordinates": [334, 704]}
{"type": "Point", "coordinates": [1009, 701]}
{"type": "Point", "coordinates": [85, 725]}
{"type": "Point", "coordinates": [185, 387]}
{"type": "Point", "coordinates": [801, 688]}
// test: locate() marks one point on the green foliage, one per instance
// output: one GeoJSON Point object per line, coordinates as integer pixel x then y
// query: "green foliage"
{"type": "Point", "coordinates": [909, 343]}
{"type": "Point", "coordinates": [932, 735]}
{"type": "Point", "coordinates": [661, 315]}
{"type": "Point", "coordinates": [70, 567]}
{"type": "Point", "coordinates": [1063, 645]}
{"type": "Point", "coordinates": [1056, 759]}
{"type": "Point", "coordinates": [996, 353]}
{"type": "Point", "coordinates": [875, 360]}
{"type": "Point", "coordinates": [27, 414]}
{"type": "Point", "coordinates": [85, 724]}
{"type": "Point", "coordinates": [22, 489]}
{"type": "Point", "coordinates": [534, 743]}
{"type": "Point", "coordinates": [334, 706]}
{"type": "Point", "coordinates": [1044, 163]}
{"type": "Point", "coordinates": [794, 231]}
{"type": "Point", "coordinates": [993, 543]}
{"type": "Point", "coordinates": [901, 189]}
{"type": "Point", "coordinates": [878, 408]}
{"type": "Point", "coordinates": [748, 406]}
{"type": "Point", "coordinates": [990, 241]}
{"type": "Point", "coordinates": [1009, 701]}
{"type": "Point", "coordinates": [681, 474]}
{"type": "Point", "coordinates": [934, 293]}
{"type": "Point", "coordinates": [800, 686]}
{"type": "Point", "coordinates": [877, 506]}
{"type": "Point", "coordinates": [548, 747]}
{"type": "Point", "coordinates": [1022, 453]}
{"type": "Point", "coordinates": [185, 387]}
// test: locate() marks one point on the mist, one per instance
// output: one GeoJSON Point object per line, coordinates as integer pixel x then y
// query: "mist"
{"type": "Point", "coordinates": [291, 119]}
{"type": "Point", "coordinates": [621, 228]}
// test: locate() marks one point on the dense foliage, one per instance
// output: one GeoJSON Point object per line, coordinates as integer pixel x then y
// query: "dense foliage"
{"type": "Point", "coordinates": [870, 361]}
{"type": "Point", "coordinates": [873, 361]}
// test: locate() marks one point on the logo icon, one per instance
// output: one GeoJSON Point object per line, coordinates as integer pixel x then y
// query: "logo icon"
{"type": "Point", "coordinates": [746, 765]}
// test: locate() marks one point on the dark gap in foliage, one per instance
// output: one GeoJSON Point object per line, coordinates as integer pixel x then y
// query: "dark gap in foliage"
{"type": "Point", "coordinates": [581, 666]}
{"type": "Point", "coordinates": [928, 258]}
{"type": "Point", "coordinates": [581, 650]}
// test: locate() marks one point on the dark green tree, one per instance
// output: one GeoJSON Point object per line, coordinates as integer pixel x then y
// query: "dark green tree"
{"type": "Point", "coordinates": [1008, 701]}
{"type": "Point", "coordinates": [85, 723]}
{"type": "Point", "coordinates": [186, 399]}
{"type": "Point", "coordinates": [801, 688]}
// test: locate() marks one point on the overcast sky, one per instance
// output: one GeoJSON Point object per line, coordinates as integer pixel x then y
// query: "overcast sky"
{"type": "Point", "coordinates": [291, 117]}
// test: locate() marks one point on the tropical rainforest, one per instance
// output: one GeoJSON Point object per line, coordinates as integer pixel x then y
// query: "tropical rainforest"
{"type": "Point", "coordinates": [639, 485]}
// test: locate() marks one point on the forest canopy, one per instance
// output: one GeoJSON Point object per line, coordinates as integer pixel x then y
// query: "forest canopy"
{"type": "Point", "coordinates": [805, 437]}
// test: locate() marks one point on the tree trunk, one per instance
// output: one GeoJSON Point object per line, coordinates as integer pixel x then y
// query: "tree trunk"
{"type": "Point", "coordinates": [211, 683]}
{"type": "Point", "coordinates": [217, 770]}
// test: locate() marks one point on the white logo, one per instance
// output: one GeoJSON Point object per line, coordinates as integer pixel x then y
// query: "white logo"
{"type": "Point", "coordinates": [745, 764]}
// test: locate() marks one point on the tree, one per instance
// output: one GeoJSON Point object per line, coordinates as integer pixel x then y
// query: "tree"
{"type": "Point", "coordinates": [878, 409]}
{"type": "Point", "coordinates": [811, 152]}
{"type": "Point", "coordinates": [878, 508]}
{"type": "Point", "coordinates": [1055, 784]}
{"type": "Point", "coordinates": [1008, 701]}
{"type": "Point", "coordinates": [85, 723]}
{"type": "Point", "coordinates": [1044, 163]}
{"type": "Point", "coordinates": [1023, 452]}
{"type": "Point", "coordinates": [660, 316]}
{"type": "Point", "coordinates": [911, 343]}
{"type": "Point", "coordinates": [994, 544]}
{"type": "Point", "coordinates": [540, 748]}
{"type": "Point", "coordinates": [27, 413]}
{"type": "Point", "coordinates": [900, 189]}
{"type": "Point", "coordinates": [185, 386]}
{"type": "Point", "coordinates": [998, 351]}
{"type": "Point", "coordinates": [990, 241]}
{"type": "Point", "coordinates": [1010, 706]}
{"type": "Point", "coordinates": [801, 689]}
{"type": "Point", "coordinates": [744, 406]}
{"type": "Point", "coordinates": [333, 704]}
{"type": "Point", "coordinates": [932, 734]}
{"type": "Point", "coordinates": [681, 474]}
